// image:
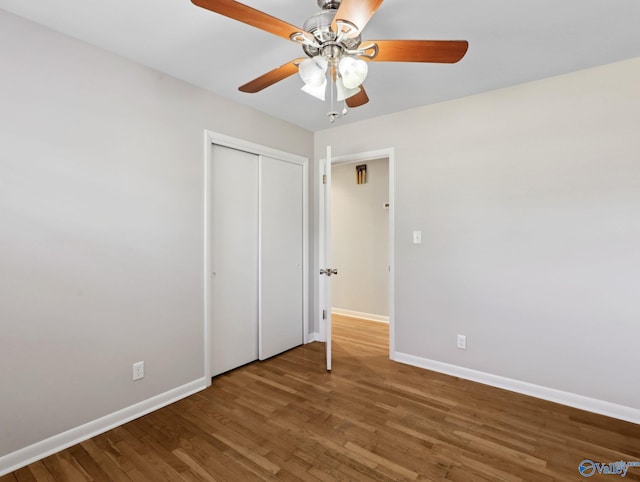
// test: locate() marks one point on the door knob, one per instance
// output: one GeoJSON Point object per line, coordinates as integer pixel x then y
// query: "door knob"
{"type": "Point", "coordinates": [328, 271]}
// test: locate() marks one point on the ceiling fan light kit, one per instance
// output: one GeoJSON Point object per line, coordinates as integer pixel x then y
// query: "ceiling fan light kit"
{"type": "Point", "coordinates": [343, 92]}
{"type": "Point", "coordinates": [313, 70]}
{"type": "Point", "coordinates": [319, 91]}
{"type": "Point", "coordinates": [336, 55]}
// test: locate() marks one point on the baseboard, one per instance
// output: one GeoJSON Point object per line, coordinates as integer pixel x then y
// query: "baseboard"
{"type": "Point", "coordinates": [594, 405]}
{"type": "Point", "coordinates": [40, 450]}
{"type": "Point", "coordinates": [361, 315]}
{"type": "Point", "coordinates": [315, 336]}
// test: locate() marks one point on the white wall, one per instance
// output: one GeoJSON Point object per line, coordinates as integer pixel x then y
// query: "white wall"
{"type": "Point", "coordinates": [360, 238]}
{"type": "Point", "coordinates": [529, 203]}
{"type": "Point", "coordinates": [101, 228]}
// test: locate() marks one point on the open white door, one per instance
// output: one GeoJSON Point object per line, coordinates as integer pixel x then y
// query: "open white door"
{"type": "Point", "coordinates": [326, 271]}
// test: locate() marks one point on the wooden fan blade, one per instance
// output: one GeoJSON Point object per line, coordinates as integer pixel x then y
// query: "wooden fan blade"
{"type": "Point", "coordinates": [361, 98]}
{"type": "Point", "coordinates": [358, 12]}
{"type": "Point", "coordinates": [439, 51]}
{"type": "Point", "coordinates": [270, 78]}
{"type": "Point", "coordinates": [253, 17]}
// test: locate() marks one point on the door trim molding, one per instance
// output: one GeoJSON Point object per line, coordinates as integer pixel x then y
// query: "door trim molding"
{"type": "Point", "coordinates": [210, 138]}
{"type": "Point", "coordinates": [388, 153]}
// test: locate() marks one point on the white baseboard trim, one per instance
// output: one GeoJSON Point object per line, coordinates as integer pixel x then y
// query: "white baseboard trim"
{"type": "Point", "coordinates": [315, 336]}
{"type": "Point", "coordinates": [594, 405]}
{"type": "Point", "coordinates": [361, 315]}
{"type": "Point", "coordinates": [44, 448]}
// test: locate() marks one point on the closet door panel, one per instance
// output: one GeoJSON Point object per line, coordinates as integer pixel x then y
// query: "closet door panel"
{"type": "Point", "coordinates": [234, 259]}
{"type": "Point", "coordinates": [281, 272]}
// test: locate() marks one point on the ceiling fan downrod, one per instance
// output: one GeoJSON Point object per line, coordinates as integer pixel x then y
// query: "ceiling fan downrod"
{"type": "Point", "coordinates": [329, 4]}
{"type": "Point", "coordinates": [332, 114]}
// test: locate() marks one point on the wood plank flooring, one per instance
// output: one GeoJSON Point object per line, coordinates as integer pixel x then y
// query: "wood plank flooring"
{"type": "Point", "coordinates": [369, 420]}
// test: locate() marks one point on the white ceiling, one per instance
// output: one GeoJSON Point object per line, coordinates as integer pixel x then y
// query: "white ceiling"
{"type": "Point", "coordinates": [510, 42]}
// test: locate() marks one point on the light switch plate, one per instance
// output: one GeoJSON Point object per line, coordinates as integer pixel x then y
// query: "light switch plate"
{"type": "Point", "coordinates": [417, 237]}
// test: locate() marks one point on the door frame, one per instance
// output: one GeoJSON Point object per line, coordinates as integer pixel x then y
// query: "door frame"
{"type": "Point", "coordinates": [388, 153]}
{"type": "Point", "coordinates": [210, 138]}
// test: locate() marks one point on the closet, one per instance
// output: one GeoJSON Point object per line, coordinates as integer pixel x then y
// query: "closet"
{"type": "Point", "coordinates": [256, 235]}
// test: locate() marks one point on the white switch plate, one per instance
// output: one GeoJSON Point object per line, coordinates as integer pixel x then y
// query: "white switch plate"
{"type": "Point", "coordinates": [417, 237]}
{"type": "Point", "coordinates": [462, 342]}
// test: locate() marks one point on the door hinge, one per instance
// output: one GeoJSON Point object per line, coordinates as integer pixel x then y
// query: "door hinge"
{"type": "Point", "coordinates": [324, 314]}
{"type": "Point", "coordinates": [324, 179]}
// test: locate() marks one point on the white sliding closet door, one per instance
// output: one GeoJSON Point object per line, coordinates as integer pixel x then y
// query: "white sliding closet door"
{"type": "Point", "coordinates": [281, 273]}
{"type": "Point", "coordinates": [234, 259]}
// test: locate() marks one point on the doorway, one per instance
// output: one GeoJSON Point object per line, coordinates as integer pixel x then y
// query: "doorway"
{"type": "Point", "coordinates": [324, 259]}
{"type": "Point", "coordinates": [360, 239]}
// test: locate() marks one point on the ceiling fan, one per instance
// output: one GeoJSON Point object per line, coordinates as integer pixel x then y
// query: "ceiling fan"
{"type": "Point", "coordinates": [332, 41]}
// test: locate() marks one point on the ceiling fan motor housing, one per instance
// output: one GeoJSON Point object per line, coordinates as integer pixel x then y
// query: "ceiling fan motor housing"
{"type": "Point", "coordinates": [319, 25]}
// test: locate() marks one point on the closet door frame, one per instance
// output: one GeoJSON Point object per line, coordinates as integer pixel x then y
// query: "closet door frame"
{"type": "Point", "coordinates": [211, 138]}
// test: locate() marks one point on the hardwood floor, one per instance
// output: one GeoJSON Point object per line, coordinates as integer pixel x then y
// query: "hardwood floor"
{"type": "Point", "coordinates": [369, 420]}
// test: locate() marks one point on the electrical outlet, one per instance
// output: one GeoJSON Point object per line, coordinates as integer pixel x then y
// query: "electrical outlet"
{"type": "Point", "coordinates": [138, 370]}
{"type": "Point", "coordinates": [462, 342]}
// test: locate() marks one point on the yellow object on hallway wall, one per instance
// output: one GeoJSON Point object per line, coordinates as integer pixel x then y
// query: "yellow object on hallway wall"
{"type": "Point", "coordinates": [361, 174]}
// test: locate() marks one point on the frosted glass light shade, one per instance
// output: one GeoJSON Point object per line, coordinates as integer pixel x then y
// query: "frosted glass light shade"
{"type": "Point", "coordinates": [318, 91]}
{"type": "Point", "coordinates": [313, 71]}
{"type": "Point", "coordinates": [353, 71]}
{"type": "Point", "coordinates": [343, 92]}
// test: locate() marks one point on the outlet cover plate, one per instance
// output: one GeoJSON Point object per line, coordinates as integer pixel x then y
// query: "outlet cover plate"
{"type": "Point", "coordinates": [138, 370]}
